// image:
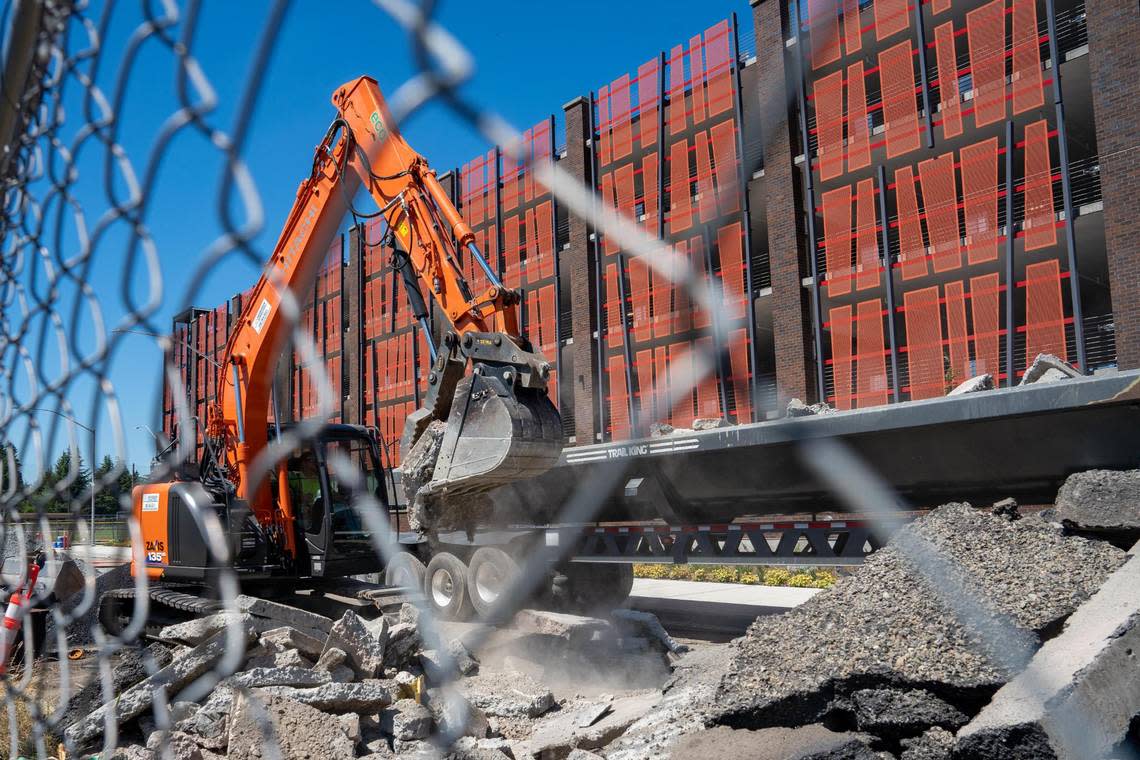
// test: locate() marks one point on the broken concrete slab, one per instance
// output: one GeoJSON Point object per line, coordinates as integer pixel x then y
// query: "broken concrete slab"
{"type": "Point", "coordinates": [470, 748]}
{"type": "Point", "coordinates": [368, 696]}
{"type": "Point", "coordinates": [331, 657]}
{"type": "Point", "coordinates": [409, 613]}
{"type": "Point", "coordinates": [350, 724]}
{"type": "Point", "coordinates": [170, 680]}
{"type": "Point", "coordinates": [194, 632]}
{"type": "Point", "coordinates": [1047, 368]}
{"type": "Point", "coordinates": [935, 744]}
{"type": "Point", "coordinates": [581, 754]}
{"type": "Point", "coordinates": [1100, 500]}
{"type": "Point", "coordinates": [559, 733]}
{"type": "Point", "coordinates": [888, 623]}
{"type": "Point", "coordinates": [810, 742]}
{"type": "Point", "coordinates": [208, 725]}
{"type": "Point", "coordinates": [296, 677]}
{"type": "Point", "coordinates": [709, 423]}
{"type": "Point", "coordinates": [455, 715]}
{"type": "Point", "coordinates": [797, 408]}
{"type": "Point", "coordinates": [1079, 692]}
{"type": "Point", "coordinates": [132, 666]}
{"type": "Point", "coordinates": [404, 644]}
{"type": "Point", "coordinates": [284, 614]}
{"type": "Point", "coordinates": [176, 745]}
{"type": "Point", "coordinates": [299, 731]}
{"type": "Point", "coordinates": [521, 696]}
{"type": "Point", "coordinates": [1006, 509]}
{"type": "Point", "coordinates": [406, 720]}
{"type": "Point", "coordinates": [464, 661]}
{"type": "Point", "coordinates": [974, 385]}
{"type": "Point", "coordinates": [572, 629]}
{"type": "Point", "coordinates": [897, 713]}
{"type": "Point", "coordinates": [365, 652]}
{"type": "Point", "coordinates": [648, 624]}
{"type": "Point", "coordinates": [287, 637]}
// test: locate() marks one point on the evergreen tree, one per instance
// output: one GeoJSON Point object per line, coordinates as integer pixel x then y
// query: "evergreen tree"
{"type": "Point", "coordinates": [107, 499]}
{"type": "Point", "coordinates": [77, 489]}
{"type": "Point", "coordinates": [11, 470]}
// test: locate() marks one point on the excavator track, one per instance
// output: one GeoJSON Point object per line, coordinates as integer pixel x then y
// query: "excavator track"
{"type": "Point", "coordinates": [167, 607]}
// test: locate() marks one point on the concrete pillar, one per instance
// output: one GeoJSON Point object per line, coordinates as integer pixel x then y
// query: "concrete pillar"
{"type": "Point", "coordinates": [791, 305]}
{"type": "Point", "coordinates": [578, 262]}
{"type": "Point", "coordinates": [1114, 60]}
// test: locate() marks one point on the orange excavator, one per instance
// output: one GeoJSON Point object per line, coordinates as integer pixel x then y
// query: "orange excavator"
{"type": "Point", "coordinates": [486, 389]}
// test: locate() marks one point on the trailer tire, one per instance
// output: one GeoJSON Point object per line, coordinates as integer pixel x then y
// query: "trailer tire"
{"type": "Point", "coordinates": [598, 587]}
{"type": "Point", "coordinates": [445, 587]}
{"type": "Point", "coordinates": [490, 572]}
{"type": "Point", "coordinates": [405, 571]}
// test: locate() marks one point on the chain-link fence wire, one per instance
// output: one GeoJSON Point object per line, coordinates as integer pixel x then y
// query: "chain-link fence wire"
{"type": "Point", "coordinates": [57, 350]}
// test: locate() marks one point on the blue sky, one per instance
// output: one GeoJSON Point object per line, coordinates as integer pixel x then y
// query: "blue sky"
{"type": "Point", "coordinates": [531, 58]}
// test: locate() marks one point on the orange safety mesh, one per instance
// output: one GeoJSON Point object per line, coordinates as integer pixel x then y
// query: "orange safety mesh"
{"type": "Point", "coordinates": [706, 198]}
{"type": "Point", "coordinates": [740, 377]}
{"type": "Point", "coordinates": [980, 200]}
{"type": "Point", "coordinates": [871, 362]}
{"type": "Point", "coordinates": [842, 358]}
{"type": "Point", "coordinates": [512, 251]}
{"type": "Point", "coordinates": [718, 68]}
{"type": "Point", "coordinates": [648, 100]}
{"type": "Point", "coordinates": [891, 17]}
{"type": "Point", "coordinates": [852, 28]}
{"type": "Point", "coordinates": [858, 127]}
{"type": "Point", "coordinates": [730, 244]}
{"type": "Point", "coordinates": [924, 343]}
{"type": "Point", "coordinates": [837, 239]}
{"type": "Point", "coordinates": [957, 336]}
{"type": "Point", "coordinates": [900, 108]}
{"type": "Point", "coordinates": [828, 95]}
{"type": "Point", "coordinates": [605, 119]}
{"type": "Point", "coordinates": [1028, 85]}
{"type": "Point", "coordinates": [617, 401]}
{"type": "Point", "coordinates": [938, 6]}
{"type": "Point", "coordinates": [912, 252]}
{"type": "Point", "coordinates": [620, 109]}
{"type": "Point", "coordinates": [680, 217]}
{"type": "Point", "coordinates": [866, 236]}
{"type": "Point", "coordinates": [985, 309]}
{"type": "Point", "coordinates": [1044, 312]}
{"type": "Point", "coordinates": [950, 98]}
{"type": "Point", "coordinates": [696, 81]}
{"type": "Point", "coordinates": [723, 137]}
{"type": "Point", "coordinates": [1039, 223]}
{"type": "Point", "coordinates": [985, 29]}
{"type": "Point", "coordinates": [940, 202]}
{"type": "Point", "coordinates": [677, 118]}
{"type": "Point", "coordinates": [640, 298]}
{"type": "Point", "coordinates": [823, 20]}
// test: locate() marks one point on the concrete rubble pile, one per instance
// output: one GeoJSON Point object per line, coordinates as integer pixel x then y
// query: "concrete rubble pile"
{"type": "Point", "coordinates": [898, 660]}
{"type": "Point", "coordinates": [356, 687]}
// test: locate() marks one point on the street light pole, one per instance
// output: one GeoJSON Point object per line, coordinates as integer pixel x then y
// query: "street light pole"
{"type": "Point", "coordinates": [90, 430]}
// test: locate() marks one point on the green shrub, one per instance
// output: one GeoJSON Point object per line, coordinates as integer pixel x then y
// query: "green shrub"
{"type": "Point", "coordinates": [776, 576]}
{"type": "Point", "coordinates": [801, 580]}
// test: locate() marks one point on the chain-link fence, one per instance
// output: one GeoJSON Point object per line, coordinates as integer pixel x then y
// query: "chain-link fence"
{"type": "Point", "coordinates": [76, 205]}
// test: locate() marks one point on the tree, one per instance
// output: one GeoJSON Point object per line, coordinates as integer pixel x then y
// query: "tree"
{"type": "Point", "coordinates": [11, 470]}
{"type": "Point", "coordinates": [107, 499]}
{"type": "Point", "coordinates": [76, 491]}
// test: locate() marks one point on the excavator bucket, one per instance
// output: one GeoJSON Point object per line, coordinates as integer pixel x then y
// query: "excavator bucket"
{"type": "Point", "coordinates": [495, 435]}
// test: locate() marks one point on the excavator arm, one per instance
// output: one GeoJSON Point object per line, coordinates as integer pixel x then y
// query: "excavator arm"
{"type": "Point", "coordinates": [486, 383]}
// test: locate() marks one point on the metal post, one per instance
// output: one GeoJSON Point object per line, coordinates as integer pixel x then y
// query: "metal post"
{"type": "Point", "coordinates": [920, 30]}
{"type": "Point", "coordinates": [662, 62]}
{"type": "Point", "coordinates": [1066, 190]}
{"type": "Point", "coordinates": [885, 236]}
{"type": "Point", "coordinates": [499, 215]}
{"type": "Point", "coordinates": [557, 253]}
{"type": "Point", "coordinates": [718, 349]}
{"type": "Point", "coordinates": [809, 206]}
{"type": "Point", "coordinates": [1010, 372]}
{"type": "Point", "coordinates": [599, 283]}
{"type": "Point", "coordinates": [746, 224]}
{"type": "Point", "coordinates": [93, 487]}
{"type": "Point", "coordinates": [634, 420]}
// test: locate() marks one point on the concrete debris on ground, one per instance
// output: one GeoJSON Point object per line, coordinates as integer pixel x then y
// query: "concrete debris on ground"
{"type": "Point", "coordinates": [1047, 368]}
{"type": "Point", "coordinates": [1007, 509]}
{"type": "Point", "coordinates": [1100, 500]}
{"type": "Point", "coordinates": [974, 385]}
{"type": "Point", "coordinates": [797, 408]}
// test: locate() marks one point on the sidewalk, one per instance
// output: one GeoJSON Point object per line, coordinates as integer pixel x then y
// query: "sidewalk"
{"type": "Point", "coordinates": [725, 593]}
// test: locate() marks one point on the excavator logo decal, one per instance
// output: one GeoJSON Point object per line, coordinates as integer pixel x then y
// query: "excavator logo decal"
{"type": "Point", "coordinates": [378, 125]}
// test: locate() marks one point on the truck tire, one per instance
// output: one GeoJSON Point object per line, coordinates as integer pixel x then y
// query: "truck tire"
{"type": "Point", "coordinates": [600, 587]}
{"type": "Point", "coordinates": [405, 571]}
{"type": "Point", "coordinates": [445, 587]}
{"type": "Point", "coordinates": [490, 572]}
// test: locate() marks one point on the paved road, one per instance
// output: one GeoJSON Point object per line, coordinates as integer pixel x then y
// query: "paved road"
{"type": "Point", "coordinates": [712, 611]}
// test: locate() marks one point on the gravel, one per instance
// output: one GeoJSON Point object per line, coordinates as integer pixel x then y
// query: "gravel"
{"type": "Point", "coordinates": [886, 625]}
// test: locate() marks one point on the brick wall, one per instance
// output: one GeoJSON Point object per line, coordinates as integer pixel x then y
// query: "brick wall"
{"type": "Point", "coordinates": [1114, 64]}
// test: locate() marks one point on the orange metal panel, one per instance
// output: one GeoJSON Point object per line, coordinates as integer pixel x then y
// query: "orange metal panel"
{"type": "Point", "coordinates": [985, 309]}
{"type": "Point", "coordinates": [923, 317]}
{"type": "Point", "coordinates": [639, 291]}
{"type": "Point", "coordinates": [900, 108]}
{"type": "Point", "coordinates": [644, 397]}
{"type": "Point", "coordinates": [727, 168]}
{"type": "Point", "coordinates": [1044, 311]}
{"type": "Point", "coordinates": [706, 203]}
{"type": "Point", "coordinates": [740, 381]}
{"type": "Point", "coordinates": [950, 98]}
{"type": "Point", "coordinates": [823, 20]}
{"type": "Point", "coordinates": [718, 68]}
{"type": "Point", "coordinates": [872, 385]}
{"type": "Point", "coordinates": [544, 237]}
{"type": "Point", "coordinates": [940, 202]}
{"type": "Point", "coordinates": [852, 27]}
{"type": "Point", "coordinates": [623, 129]}
{"type": "Point", "coordinates": [730, 244]}
{"type": "Point", "coordinates": [605, 122]}
{"type": "Point", "coordinates": [696, 81]}
{"type": "Point", "coordinates": [614, 308]}
{"type": "Point", "coordinates": [938, 6]}
{"type": "Point", "coordinates": [858, 128]}
{"type": "Point", "coordinates": [512, 251]}
{"type": "Point", "coordinates": [866, 236]}
{"type": "Point", "coordinates": [648, 101]}
{"type": "Point", "coordinates": [1039, 223]}
{"type": "Point", "coordinates": [680, 217]}
{"type": "Point", "coordinates": [677, 118]}
{"type": "Point", "coordinates": [651, 198]}
{"type": "Point", "coordinates": [1028, 85]}
{"type": "Point", "coordinates": [828, 96]}
{"type": "Point", "coordinates": [956, 332]}
{"type": "Point", "coordinates": [985, 29]}
{"type": "Point", "coordinates": [912, 252]}
{"type": "Point", "coordinates": [837, 240]}
{"type": "Point", "coordinates": [891, 17]}
{"type": "Point", "coordinates": [609, 197]}
{"type": "Point", "coordinates": [842, 358]}
{"type": "Point", "coordinates": [708, 390]}
{"type": "Point", "coordinates": [980, 200]}
{"type": "Point", "coordinates": [617, 403]}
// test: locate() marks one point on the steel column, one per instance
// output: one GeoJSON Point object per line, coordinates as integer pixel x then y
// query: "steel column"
{"type": "Point", "coordinates": [920, 31]}
{"type": "Point", "coordinates": [1010, 366]}
{"type": "Point", "coordinates": [634, 422]}
{"type": "Point", "coordinates": [599, 283]}
{"type": "Point", "coordinates": [889, 280]}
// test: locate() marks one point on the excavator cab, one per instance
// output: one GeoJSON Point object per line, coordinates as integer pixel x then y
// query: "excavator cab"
{"type": "Point", "coordinates": [333, 538]}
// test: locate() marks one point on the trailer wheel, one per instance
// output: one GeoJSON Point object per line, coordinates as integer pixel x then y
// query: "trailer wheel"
{"type": "Point", "coordinates": [490, 573]}
{"type": "Point", "coordinates": [599, 586]}
{"type": "Point", "coordinates": [445, 587]}
{"type": "Point", "coordinates": [405, 571]}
